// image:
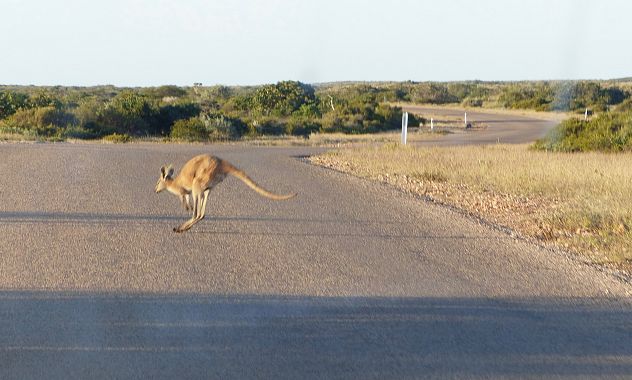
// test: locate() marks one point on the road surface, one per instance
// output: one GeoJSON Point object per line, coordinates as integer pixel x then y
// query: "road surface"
{"type": "Point", "coordinates": [499, 128]}
{"type": "Point", "coordinates": [350, 279]}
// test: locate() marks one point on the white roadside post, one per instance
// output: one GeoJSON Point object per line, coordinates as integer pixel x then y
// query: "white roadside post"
{"type": "Point", "coordinates": [404, 127]}
{"type": "Point", "coordinates": [465, 120]}
{"type": "Point", "coordinates": [431, 124]}
{"type": "Point", "coordinates": [586, 114]}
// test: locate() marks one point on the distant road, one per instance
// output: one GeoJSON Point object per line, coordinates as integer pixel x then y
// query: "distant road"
{"type": "Point", "coordinates": [350, 279]}
{"type": "Point", "coordinates": [502, 128]}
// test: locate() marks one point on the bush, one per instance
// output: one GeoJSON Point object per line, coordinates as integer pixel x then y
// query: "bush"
{"type": "Point", "coordinates": [192, 129]}
{"type": "Point", "coordinates": [266, 126]}
{"type": "Point", "coordinates": [11, 102]}
{"type": "Point", "coordinates": [170, 113]}
{"type": "Point", "coordinates": [537, 98]}
{"type": "Point", "coordinates": [117, 138]}
{"type": "Point", "coordinates": [472, 102]}
{"type": "Point", "coordinates": [79, 132]}
{"type": "Point", "coordinates": [301, 126]}
{"type": "Point", "coordinates": [87, 110]}
{"type": "Point", "coordinates": [625, 106]}
{"type": "Point", "coordinates": [433, 93]}
{"type": "Point", "coordinates": [573, 96]}
{"type": "Point", "coordinates": [168, 91]}
{"type": "Point", "coordinates": [283, 98]}
{"type": "Point", "coordinates": [211, 127]}
{"type": "Point", "coordinates": [610, 132]}
{"type": "Point", "coordinates": [129, 113]}
{"type": "Point", "coordinates": [43, 121]}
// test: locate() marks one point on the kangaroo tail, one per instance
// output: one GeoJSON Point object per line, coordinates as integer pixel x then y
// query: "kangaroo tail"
{"type": "Point", "coordinates": [230, 169]}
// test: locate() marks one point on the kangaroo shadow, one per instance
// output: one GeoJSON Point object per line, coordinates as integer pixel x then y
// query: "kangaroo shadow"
{"type": "Point", "coordinates": [317, 227]}
{"type": "Point", "coordinates": [77, 217]}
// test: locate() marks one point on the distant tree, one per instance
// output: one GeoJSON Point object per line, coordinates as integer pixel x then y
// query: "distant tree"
{"type": "Point", "coordinates": [11, 102]}
{"type": "Point", "coordinates": [433, 93]}
{"type": "Point", "coordinates": [283, 98]}
{"type": "Point", "coordinates": [521, 96]}
{"type": "Point", "coordinates": [580, 95]}
{"type": "Point", "coordinates": [44, 99]}
{"type": "Point", "coordinates": [168, 91]}
{"type": "Point", "coordinates": [43, 121]}
{"type": "Point", "coordinates": [87, 112]}
{"type": "Point", "coordinates": [130, 113]}
{"type": "Point", "coordinates": [169, 113]}
{"type": "Point", "coordinates": [219, 92]}
{"type": "Point", "coordinates": [192, 129]}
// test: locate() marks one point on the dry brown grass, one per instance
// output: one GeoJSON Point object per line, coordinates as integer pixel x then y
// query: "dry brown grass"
{"type": "Point", "coordinates": [580, 201]}
{"type": "Point", "coordinates": [339, 139]}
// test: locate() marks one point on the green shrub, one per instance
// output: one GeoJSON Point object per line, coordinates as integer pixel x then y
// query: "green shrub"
{"type": "Point", "coordinates": [574, 96]}
{"type": "Point", "coordinates": [283, 98]}
{"type": "Point", "coordinates": [625, 106]}
{"type": "Point", "coordinates": [192, 129]}
{"type": "Point", "coordinates": [222, 127]}
{"type": "Point", "coordinates": [117, 138]}
{"type": "Point", "coordinates": [208, 127]}
{"type": "Point", "coordinates": [609, 132]}
{"type": "Point", "coordinates": [170, 113]}
{"type": "Point", "coordinates": [266, 126]}
{"type": "Point", "coordinates": [521, 96]}
{"type": "Point", "coordinates": [129, 113]}
{"type": "Point", "coordinates": [79, 132]}
{"type": "Point", "coordinates": [301, 126]}
{"type": "Point", "coordinates": [472, 102]}
{"type": "Point", "coordinates": [167, 91]}
{"type": "Point", "coordinates": [43, 121]}
{"type": "Point", "coordinates": [11, 102]}
{"type": "Point", "coordinates": [433, 93]}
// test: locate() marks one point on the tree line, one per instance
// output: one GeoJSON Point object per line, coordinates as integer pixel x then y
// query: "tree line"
{"type": "Point", "coordinates": [284, 108]}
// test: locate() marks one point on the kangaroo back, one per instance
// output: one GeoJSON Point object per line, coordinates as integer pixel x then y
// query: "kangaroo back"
{"type": "Point", "coordinates": [230, 169]}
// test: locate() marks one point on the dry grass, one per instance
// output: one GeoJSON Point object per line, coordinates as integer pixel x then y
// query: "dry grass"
{"type": "Point", "coordinates": [580, 201]}
{"type": "Point", "coordinates": [339, 139]}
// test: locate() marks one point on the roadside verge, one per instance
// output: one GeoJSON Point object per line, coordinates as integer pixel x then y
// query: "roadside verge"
{"type": "Point", "coordinates": [580, 203]}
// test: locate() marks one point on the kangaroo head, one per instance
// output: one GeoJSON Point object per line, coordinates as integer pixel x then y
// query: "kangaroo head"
{"type": "Point", "coordinates": [166, 172]}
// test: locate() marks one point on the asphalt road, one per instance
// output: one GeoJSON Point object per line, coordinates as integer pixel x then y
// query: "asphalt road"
{"type": "Point", "coordinates": [350, 279]}
{"type": "Point", "coordinates": [499, 128]}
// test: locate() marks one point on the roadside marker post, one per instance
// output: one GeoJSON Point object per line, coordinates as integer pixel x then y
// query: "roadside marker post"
{"type": "Point", "coordinates": [586, 114]}
{"type": "Point", "coordinates": [431, 124]}
{"type": "Point", "coordinates": [465, 123]}
{"type": "Point", "coordinates": [404, 127]}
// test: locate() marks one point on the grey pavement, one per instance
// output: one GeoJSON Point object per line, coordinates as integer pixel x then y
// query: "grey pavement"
{"type": "Point", "coordinates": [350, 279]}
{"type": "Point", "coordinates": [499, 128]}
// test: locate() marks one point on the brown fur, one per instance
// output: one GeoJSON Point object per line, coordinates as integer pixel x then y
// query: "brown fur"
{"type": "Point", "coordinates": [196, 179]}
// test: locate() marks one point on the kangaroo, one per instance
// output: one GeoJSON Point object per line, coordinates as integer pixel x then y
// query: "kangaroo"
{"type": "Point", "coordinates": [196, 179]}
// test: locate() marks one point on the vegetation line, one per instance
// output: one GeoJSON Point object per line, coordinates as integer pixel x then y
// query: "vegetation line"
{"type": "Point", "coordinates": [220, 113]}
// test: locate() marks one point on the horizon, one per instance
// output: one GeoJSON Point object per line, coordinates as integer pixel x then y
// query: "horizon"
{"type": "Point", "coordinates": [622, 79]}
{"type": "Point", "coordinates": [149, 43]}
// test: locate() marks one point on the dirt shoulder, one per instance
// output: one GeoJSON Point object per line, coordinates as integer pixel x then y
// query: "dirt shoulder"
{"type": "Point", "coordinates": [578, 203]}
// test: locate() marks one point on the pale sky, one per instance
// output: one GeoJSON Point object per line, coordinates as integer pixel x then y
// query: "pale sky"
{"type": "Point", "coordinates": [242, 42]}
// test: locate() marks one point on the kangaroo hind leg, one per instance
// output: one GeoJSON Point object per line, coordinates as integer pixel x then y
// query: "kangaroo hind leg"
{"type": "Point", "coordinates": [199, 206]}
{"type": "Point", "coordinates": [195, 196]}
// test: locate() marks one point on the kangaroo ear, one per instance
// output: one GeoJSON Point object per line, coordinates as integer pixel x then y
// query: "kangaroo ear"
{"type": "Point", "coordinates": [163, 172]}
{"type": "Point", "coordinates": [169, 170]}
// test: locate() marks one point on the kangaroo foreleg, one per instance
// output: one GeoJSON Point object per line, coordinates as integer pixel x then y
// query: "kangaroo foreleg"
{"type": "Point", "coordinates": [186, 225]}
{"type": "Point", "coordinates": [186, 202]}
